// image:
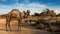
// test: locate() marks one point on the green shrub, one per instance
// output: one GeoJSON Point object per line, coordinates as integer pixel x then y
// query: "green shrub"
{"type": "Point", "coordinates": [41, 26]}
{"type": "Point", "coordinates": [53, 28]}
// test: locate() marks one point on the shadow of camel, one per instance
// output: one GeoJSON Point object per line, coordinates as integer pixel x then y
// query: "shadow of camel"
{"type": "Point", "coordinates": [3, 29]}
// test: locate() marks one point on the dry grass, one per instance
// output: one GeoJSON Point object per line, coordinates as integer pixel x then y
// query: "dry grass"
{"type": "Point", "coordinates": [25, 30]}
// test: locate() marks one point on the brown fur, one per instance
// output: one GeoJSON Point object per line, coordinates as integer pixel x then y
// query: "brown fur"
{"type": "Point", "coordinates": [13, 14]}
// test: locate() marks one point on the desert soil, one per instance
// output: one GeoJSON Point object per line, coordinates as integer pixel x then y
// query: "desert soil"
{"type": "Point", "coordinates": [24, 30]}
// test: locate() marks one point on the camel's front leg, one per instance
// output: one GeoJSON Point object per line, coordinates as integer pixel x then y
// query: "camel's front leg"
{"type": "Point", "coordinates": [6, 26]}
{"type": "Point", "coordinates": [7, 21]}
{"type": "Point", "coordinates": [19, 25]}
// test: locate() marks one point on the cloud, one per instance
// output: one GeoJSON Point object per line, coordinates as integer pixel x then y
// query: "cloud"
{"type": "Point", "coordinates": [57, 11]}
{"type": "Point", "coordinates": [33, 7]}
{"type": "Point", "coordinates": [36, 5]}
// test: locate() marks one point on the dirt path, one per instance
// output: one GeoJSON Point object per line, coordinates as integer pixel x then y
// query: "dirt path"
{"type": "Point", "coordinates": [24, 30]}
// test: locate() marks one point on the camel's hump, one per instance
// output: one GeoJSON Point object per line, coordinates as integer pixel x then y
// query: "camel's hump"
{"type": "Point", "coordinates": [15, 12]}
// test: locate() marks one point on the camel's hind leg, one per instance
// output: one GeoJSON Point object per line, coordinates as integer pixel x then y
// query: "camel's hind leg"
{"type": "Point", "coordinates": [19, 24]}
{"type": "Point", "coordinates": [8, 24]}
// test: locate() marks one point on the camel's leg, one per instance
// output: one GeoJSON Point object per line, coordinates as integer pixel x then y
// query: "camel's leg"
{"type": "Point", "coordinates": [7, 23]}
{"type": "Point", "coordinates": [19, 24]}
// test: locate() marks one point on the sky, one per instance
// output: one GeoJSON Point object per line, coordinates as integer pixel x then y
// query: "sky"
{"type": "Point", "coordinates": [35, 6]}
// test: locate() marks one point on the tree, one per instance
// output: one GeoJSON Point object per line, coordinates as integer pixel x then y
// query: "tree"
{"type": "Point", "coordinates": [48, 12]}
{"type": "Point", "coordinates": [42, 14]}
{"type": "Point", "coordinates": [58, 14]}
{"type": "Point", "coordinates": [53, 14]}
{"type": "Point", "coordinates": [3, 16]}
{"type": "Point", "coordinates": [28, 13]}
{"type": "Point", "coordinates": [24, 14]}
{"type": "Point", "coordinates": [36, 14]}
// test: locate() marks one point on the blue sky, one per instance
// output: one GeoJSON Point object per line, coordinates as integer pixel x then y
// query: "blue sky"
{"type": "Point", "coordinates": [32, 5]}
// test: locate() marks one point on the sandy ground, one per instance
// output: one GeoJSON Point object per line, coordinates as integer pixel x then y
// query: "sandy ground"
{"type": "Point", "coordinates": [24, 30]}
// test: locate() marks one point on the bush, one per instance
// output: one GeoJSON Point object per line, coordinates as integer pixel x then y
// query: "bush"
{"type": "Point", "coordinates": [41, 26]}
{"type": "Point", "coordinates": [53, 28]}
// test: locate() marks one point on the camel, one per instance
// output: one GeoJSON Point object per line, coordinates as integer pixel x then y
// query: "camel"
{"type": "Point", "coordinates": [13, 14]}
